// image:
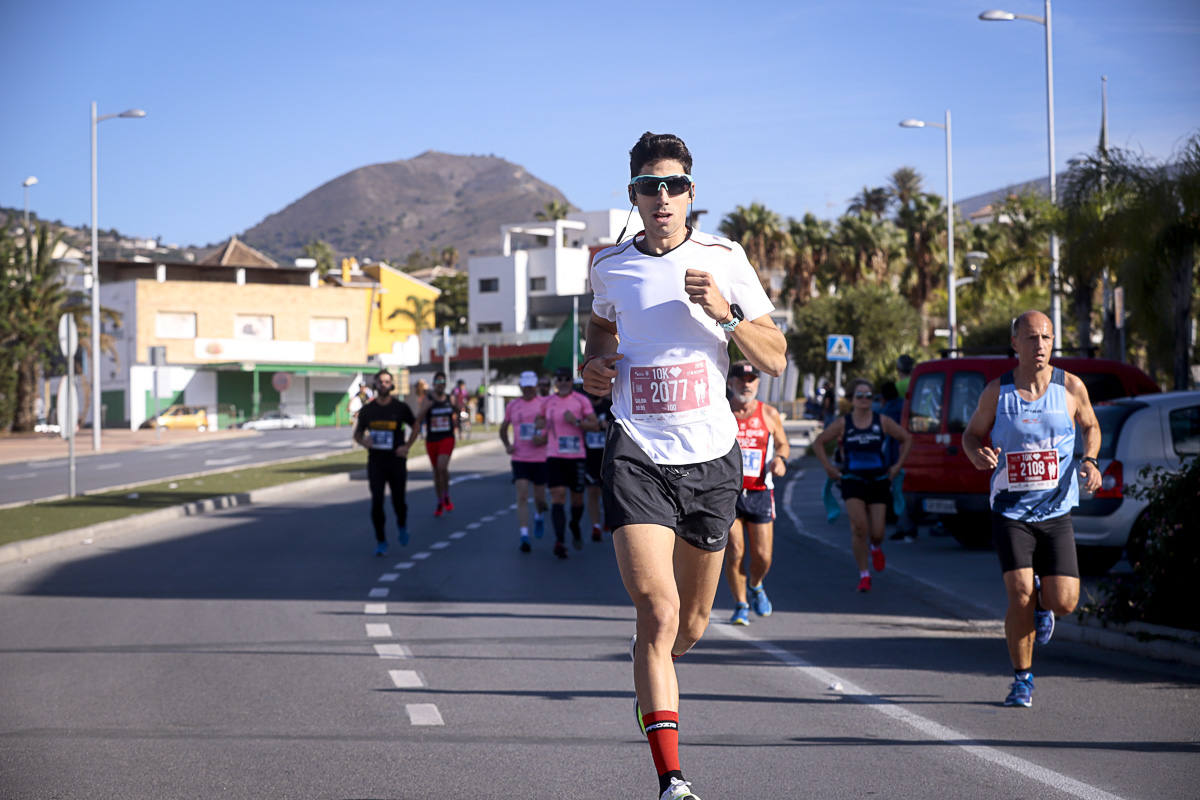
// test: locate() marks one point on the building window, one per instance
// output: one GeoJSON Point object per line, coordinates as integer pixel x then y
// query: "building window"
{"type": "Point", "coordinates": [175, 325]}
{"type": "Point", "coordinates": [489, 285]}
{"type": "Point", "coordinates": [253, 326]}
{"type": "Point", "coordinates": [330, 330]}
{"type": "Point", "coordinates": [537, 284]}
{"type": "Point", "coordinates": [487, 327]}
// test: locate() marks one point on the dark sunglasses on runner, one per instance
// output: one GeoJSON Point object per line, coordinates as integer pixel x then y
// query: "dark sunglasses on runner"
{"type": "Point", "coordinates": [861, 395]}
{"type": "Point", "coordinates": [650, 185]}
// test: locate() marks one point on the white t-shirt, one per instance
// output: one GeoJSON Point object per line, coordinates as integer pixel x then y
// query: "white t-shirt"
{"type": "Point", "coordinates": [669, 394]}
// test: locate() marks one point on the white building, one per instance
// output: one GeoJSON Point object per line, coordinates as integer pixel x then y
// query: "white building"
{"type": "Point", "coordinates": [542, 266]}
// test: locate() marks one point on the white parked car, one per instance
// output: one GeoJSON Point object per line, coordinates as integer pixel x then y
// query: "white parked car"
{"type": "Point", "coordinates": [1150, 430]}
{"type": "Point", "coordinates": [274, 421]}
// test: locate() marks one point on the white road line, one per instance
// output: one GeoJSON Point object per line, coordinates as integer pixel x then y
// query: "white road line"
{"type": "Point", "coordinates": [424, 554]}
{"type": "Point", "coordinates": [388, 577]}
{"type": "Point", "coordinates": [375, 608]}
{"type": "Point", "coordinates": [393, 651]}
{"type": "Point", "coordinates": [20, 476]}
{"type": "Point", "coordinates": [404, 565]}
{"type": "Point", "coordinates": [274, 445]}
{"type": "Point", "coordinates": [47, 464]}
{"type": "Point", "coordinates": [927, 727]}
{"type": "Point", "coordinates": [109, 465]}
{"type": "Point", "coordinates": [315, 443]}
{"type": "Point", "coordinates": [424, 714]}
{"type": "Point", "coordinates": [377, 593]}
{"type": "Point", "coordinates": [474, 476]}
{"type": "Point", "coordinates": [405, 679]}
{"type": "Point", "coordinates": [439, 545]}
{"type": "Point", "coordinates": [379, 630]}
{"type": "Point", "coordinates": [513, 507]}
{"type": "Point", "coordinates": [488, 518]}
{"type": "Point", "coordinates": [175, 456]}
{"type": "Point", "coordinates": [220, 462]}
{"type": "Point", "coordinates": [458, 534]}
{"type": "Point", "coordinates": [474, 525]}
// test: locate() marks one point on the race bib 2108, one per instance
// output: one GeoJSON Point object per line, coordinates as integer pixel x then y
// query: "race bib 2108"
{"type": "Point", "coordinates": [1030, 470]}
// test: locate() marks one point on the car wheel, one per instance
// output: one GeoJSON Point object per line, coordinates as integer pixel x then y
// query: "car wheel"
{"type": "Point", "coordinates": [970, 529]}
{"type": "Point", "coordinates": [1095, 561]}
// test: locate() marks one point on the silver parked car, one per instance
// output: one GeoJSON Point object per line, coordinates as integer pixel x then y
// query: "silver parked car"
{"type": "Point", "coordinates": [274, 421]}
{"type": "Point", "coordinates": [1151, 430]}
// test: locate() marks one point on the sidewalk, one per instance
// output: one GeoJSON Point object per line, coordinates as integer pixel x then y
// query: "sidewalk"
{"type": "Point", "coordinates": [42, 446]}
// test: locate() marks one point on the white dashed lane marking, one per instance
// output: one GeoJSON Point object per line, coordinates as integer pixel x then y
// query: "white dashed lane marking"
{"type": "Point", "coordinates": [405, 679]}
{"type": "Point", "coordinates": [488, 518]}
{"type": "Point", "coordinates": [439, 545]}
{"type": "Point", "coordinates": [474, 525]}
{"type": "Point", "coordinates": [109, 465]}
{"type": "Point", "coordinates": [377, 593]}
{"type": "Point", "coordinates": [375, 608]}
{"type": "Point", "coordinates": [424, 714]}
{"type": "Point", "coordinates": [388, 577]}
{"type": "Point", "coordinates": [424, 554]}
{"type": "Point", "coordinates": [379, 630]}
{"type": "Point", "coordinates": [458, 534]}
{"type": "Point", "coordinates": [392, 651]}
{"type": "Point", "coordinates": [404, 565]}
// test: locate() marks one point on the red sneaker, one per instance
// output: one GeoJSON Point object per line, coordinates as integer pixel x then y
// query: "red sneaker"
{"type": "Point", "coordinates": [450, 506]}
{"type": "Point", "coordinates": [864, 583]}
{"type": "Point", "coordinates": [438, 512]}
{"type": "Point", "coordinates": [877, 559]}
{"type": "Point", "coordinates": [597, 535]}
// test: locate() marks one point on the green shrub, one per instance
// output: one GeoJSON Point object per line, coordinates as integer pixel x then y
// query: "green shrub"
{"type": "Point", "coordinates": [1161, 588]}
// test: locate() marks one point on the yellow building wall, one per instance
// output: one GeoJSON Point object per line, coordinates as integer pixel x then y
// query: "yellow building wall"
{"type": "Point", "coordinates": [386, 330]}
{"type": "Point", "coordinates": [216, 305]}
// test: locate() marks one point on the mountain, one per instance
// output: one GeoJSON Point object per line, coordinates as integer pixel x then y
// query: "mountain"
{"type": "Point", "coordinates": [386, 211]}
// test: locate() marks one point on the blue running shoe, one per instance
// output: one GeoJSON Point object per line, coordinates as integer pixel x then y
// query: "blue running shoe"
{"type": "Point", "coordinates": [1021, 691]}
{"type": "Point", "coordinates": [1044, 625]}
{"type": "Point", "coordinates": [402, 536]}
{"type": "Point", "coordinates": [539, 527]}
{"type": "Point", "coordinates": [760, 602]}
{"type": "Point", "coordinates": [381, 549]}
{"type": "Point", "coordinates": [525, 546]}
{"type": "Point", "coordinates": [741, 615]}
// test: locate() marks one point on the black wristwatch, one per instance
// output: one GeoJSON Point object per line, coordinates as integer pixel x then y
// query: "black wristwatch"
{"type": "Point", "coordinates": [735, 318]}
{"type": "Point", "coordinates": [1095, 463]}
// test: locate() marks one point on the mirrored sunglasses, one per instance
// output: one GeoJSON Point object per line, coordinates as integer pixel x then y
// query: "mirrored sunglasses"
{"type": "Point", "coordinates": [650, 185]}
{"type": "Point", "coordinates": [861, 395]}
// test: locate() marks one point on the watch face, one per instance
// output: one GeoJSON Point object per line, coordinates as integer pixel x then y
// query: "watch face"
{"type": "Point", "coordinates": [736, 310]}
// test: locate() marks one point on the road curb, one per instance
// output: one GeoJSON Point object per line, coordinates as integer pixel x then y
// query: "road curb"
{"type": "Point", "coordinates": [90, 534]}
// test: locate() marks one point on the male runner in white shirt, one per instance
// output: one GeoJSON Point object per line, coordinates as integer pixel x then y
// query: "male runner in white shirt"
{"type": "Point", "coordinates": [666, 304]}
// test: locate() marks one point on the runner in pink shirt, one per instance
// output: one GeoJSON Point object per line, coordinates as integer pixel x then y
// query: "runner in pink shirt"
{"type": "Point", "coordinates": [568, 415]}
{"type": "Point", "coordinates": [528, 451]}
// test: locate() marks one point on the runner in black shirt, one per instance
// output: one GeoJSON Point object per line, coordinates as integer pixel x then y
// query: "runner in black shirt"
{"type": "Point", "coordinates": [381, 429]}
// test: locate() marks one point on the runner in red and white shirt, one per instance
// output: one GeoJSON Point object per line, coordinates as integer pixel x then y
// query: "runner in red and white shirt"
{"type": "Point", "coordinates": [765, 451]}
{"type": "Point", "coordinates": [526, 415]}
{"type": "Point", "coordinates": [569, 417]}
{"type": "Point", "coordinates": [666, 304]}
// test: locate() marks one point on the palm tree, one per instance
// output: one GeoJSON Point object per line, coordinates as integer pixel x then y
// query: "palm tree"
{"type": "Point", "coordinates": [320, 251]}
{"type": "Point", "coordinates": [924, 222]}
{"type": "Point", "coordinates": [554, 209]}
{"type": "Point", "coordinates": [419, 313]}
{"type": "Point", "coordinates": [760, 232]}
{"type": "Point", "coordinates": [811, 247]}
{"type": "Point", "coordinates": [450, 257]}
{"type": "Point", "coordinates": [904, 185]}
{"type": "Point", "coordinates": [870, 201]}
{"type": "Point", "coordinates": [33, 299]}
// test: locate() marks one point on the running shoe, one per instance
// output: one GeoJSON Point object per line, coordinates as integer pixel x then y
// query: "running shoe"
{"type": "Point", "coordinates": [597, 534]}
{"type": "Point", "coordinates": [678, 790]}
{"type": "Point", "coordinates": [525, 546]}
{"type": "Point", "coordinates": [877, 559]}
{"type": "Point", "coordinates": [402, 536]}
{"type": "Point", "coordinates": [438, 511]}
{"type": "Point", "coordinates": [539, 527]}
{"type": "Point", "coordinates": [446, 502]}
{"type": "Point", "coordinates": [760, 602]}
{"type": "Point", "coordinates": [1021, 692]}
{"type": "Point", "coordinates": [741, 615]}
{"type": "Point", "coordinates": [381, 549]}
{"type": "Point", "coordinates": [560, 550]}
{"type": "Point", "coordinates": [864, 583]}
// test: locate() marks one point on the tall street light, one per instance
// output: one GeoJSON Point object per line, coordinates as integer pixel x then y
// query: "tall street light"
{"type": "Point", "coordinates": [1006, 16]}
{"type": "Point", "coordinates": [30, 181]}
{"type": "Point", "coordinates": [952, 307]}
{"type": "Point", "coordinates": [133, 113]}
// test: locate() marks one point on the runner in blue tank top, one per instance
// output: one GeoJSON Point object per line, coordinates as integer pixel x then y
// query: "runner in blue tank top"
{"type": "Point", "coordinates": [1032, 416]}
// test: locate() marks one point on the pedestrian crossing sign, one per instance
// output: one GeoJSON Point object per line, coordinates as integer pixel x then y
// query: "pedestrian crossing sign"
{"type": "Point", "coordinates": [839, 347]}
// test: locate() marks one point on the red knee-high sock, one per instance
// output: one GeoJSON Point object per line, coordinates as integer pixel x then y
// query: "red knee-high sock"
{"type": "Point", "coordinates": [662, 731]}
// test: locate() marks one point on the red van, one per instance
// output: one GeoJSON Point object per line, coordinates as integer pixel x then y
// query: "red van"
{"type": "Point", "coordinates": [942, 395]}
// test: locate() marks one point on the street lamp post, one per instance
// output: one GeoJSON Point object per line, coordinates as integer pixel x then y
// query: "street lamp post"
{"type": "Point", "coordinates": [133, 113]}
{"type": "Point", "coordinates": [30, 181]}
{"type": "Point", "coordinates": [951, 306]}
{"type": "Point", "coordinates": [1055, 294]}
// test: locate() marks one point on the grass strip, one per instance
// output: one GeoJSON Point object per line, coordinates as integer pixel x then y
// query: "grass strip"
{"type": "Point", "coordinates": [40, 519]}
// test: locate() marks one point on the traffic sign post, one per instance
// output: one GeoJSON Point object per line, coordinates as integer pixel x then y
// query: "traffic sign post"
{"type": "Point", "coordinates": [158, 357]}
{"type": "Point", "coordinates": [839, 347]}
{"type": "Point", "coordinates": [68, 341]}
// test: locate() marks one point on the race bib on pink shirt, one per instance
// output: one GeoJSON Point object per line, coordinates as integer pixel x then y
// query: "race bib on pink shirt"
{"type": "Point", "coordinates": [1032, 469]}
{"type": "Point", "coordinates": [669, 389]}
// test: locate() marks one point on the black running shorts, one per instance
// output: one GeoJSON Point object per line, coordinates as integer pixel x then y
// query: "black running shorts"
{"type": "Point", "coordinates": [871, 492]}
{"type": "Point", "coordinates": [756, 505]}
{"type": "Point", "coordinates": [697, 501]}
{"type": "Point", "coordinates": [532, 471]}
{"type": "Point", "coordinates": [1047, 546]}
{"type": "Point", "coordinates": [566, 472]}
{"type": "Point", "coordinates": [595, 460]}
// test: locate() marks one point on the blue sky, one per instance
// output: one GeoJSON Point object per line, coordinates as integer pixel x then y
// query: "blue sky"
{"type": "Point", "coordinates": [791, 104]}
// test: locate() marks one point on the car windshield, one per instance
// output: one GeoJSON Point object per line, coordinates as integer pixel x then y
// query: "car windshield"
{"type": "Point", "coordinates": [1111, 418]}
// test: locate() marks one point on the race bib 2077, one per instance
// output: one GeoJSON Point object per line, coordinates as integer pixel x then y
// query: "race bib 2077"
{"type": "Point", "coordinates": [669, 389]}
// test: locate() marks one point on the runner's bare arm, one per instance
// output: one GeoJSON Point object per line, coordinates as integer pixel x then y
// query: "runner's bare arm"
{"type": "Point", "coordinates": [782, 448]}
{"type": "Point", "coordinates": [980, 427]}
{"type": "Point", "coordinates": [1089, 429]}
{"type": "Point", "coordinates": [599, 355]}
{"type": "Point", "coordinates": [508, 448]}
{"type": "Point", "coordinates": [832, 431]}
{"type": "Point", "coordinates": [539, 431]}
{"type": "Point", "coordinates": [893, 429]}
{"type": "Point", "coordinates": [760, 340]}
{"type": "Point", "coordinates": [590, 423]}
{"type": "Point", "coordinates": [416, 431]}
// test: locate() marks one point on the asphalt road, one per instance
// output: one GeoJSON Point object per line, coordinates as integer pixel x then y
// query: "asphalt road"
{"type": "Point", "coordinates": [36, 480]}
{"type": "Point", "coordinates": [262, 652]}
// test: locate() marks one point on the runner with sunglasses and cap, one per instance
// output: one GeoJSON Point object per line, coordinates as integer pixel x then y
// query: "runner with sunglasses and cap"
{"type": "Point", "coordinates": [765, 451]}
{"type": "Point", "coordinates": [527, 415]}
{"type": "Point", "coordinates": [440, 420]}
{"type": "Point", "coordinates": [568, 417]}
{"type": "Point", "coordinates": [666, 303]}
{"type": "Point", "coordinates": [866, 483]}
